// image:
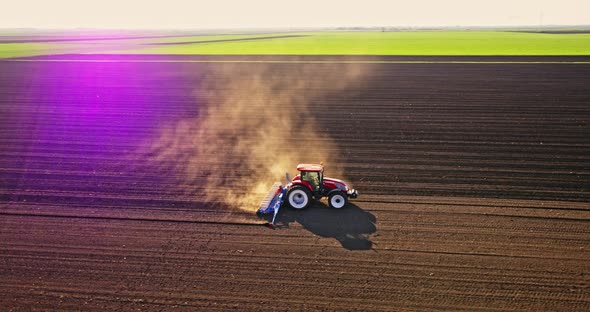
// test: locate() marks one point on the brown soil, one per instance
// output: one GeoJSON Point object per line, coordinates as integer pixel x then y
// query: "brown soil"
{"type": "Point", "coordinates": [474, 188]}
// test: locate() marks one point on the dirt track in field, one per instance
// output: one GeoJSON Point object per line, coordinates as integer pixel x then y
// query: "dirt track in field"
{"type": "Point", "coordinates": [474, 182]}
{"type": "Point", "coordinates": [97, 37]}
{"type": "Point", "coordinates": [228, 40]}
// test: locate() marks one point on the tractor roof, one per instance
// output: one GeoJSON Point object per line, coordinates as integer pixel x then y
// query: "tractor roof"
{"type": "Point", "coordinates": [310, 167]}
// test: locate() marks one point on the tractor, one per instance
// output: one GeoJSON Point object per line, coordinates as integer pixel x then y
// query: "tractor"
{"type": "Point", "coordinates": [309, 183]}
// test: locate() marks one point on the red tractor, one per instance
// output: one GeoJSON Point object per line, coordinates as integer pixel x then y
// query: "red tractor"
{"type": "Point", "coordinates": [310, 182]}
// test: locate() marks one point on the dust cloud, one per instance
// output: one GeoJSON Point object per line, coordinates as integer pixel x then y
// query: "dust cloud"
{"type": "Point", "coordinates": [255, 122]}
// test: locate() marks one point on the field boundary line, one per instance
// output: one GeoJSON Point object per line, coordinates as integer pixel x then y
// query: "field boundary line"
{"type": "Point", "coordinates": [303, 61]}
{"type": "Point", "coordinates": [60, 216]}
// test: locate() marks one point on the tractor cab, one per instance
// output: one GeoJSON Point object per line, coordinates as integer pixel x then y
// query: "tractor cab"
{"type": "Point", "coordinates": [314, 176]}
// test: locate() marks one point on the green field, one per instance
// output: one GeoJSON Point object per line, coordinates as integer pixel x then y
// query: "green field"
{"type": "Point", "coordinates": [28, 49]}
{"type": "Point", "coordinates": [395, 43]}
{"type": "Point", "coordinates": [331, 43]}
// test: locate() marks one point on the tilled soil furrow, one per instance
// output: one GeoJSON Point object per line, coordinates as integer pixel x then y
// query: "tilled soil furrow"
{"type": "Point", "coordinates": [473, 181]}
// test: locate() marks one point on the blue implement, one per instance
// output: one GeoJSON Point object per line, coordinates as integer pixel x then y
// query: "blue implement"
{"type": "Point", "coordinates": [273, 201]}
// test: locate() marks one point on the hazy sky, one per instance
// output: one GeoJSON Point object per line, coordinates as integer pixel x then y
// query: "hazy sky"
{"type": "Point", "coordinates": [277, 13]}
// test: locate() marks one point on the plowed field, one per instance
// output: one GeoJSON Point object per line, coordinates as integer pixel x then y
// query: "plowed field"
{"type": "Point", "coordinates": [473, 173]}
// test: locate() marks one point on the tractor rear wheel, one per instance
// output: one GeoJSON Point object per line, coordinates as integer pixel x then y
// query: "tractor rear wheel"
{"type": "Point", "coordinates": [337, 200]}
{"type": "Point", "coordinates": [299, 197]}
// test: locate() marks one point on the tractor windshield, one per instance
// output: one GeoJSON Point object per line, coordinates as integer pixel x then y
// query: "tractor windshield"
{"type": "Point", "coordinates": [313, 177]}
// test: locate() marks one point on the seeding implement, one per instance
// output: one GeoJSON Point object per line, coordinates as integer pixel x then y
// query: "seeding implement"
{"type": "Point", "coordinates": [310, 182]}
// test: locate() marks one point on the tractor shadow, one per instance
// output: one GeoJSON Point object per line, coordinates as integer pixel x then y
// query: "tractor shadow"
{"type": "Point", "coordinates": [351, 225]}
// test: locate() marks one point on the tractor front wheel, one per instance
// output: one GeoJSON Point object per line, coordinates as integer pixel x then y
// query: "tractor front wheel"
{"type": "Point", "coordinates": [299, 197]}
{"type": "Point", "coordinates": [337, 200]}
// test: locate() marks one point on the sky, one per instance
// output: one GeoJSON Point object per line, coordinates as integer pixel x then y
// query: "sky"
{"type": "Point", "coordinates": [196, 14]}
